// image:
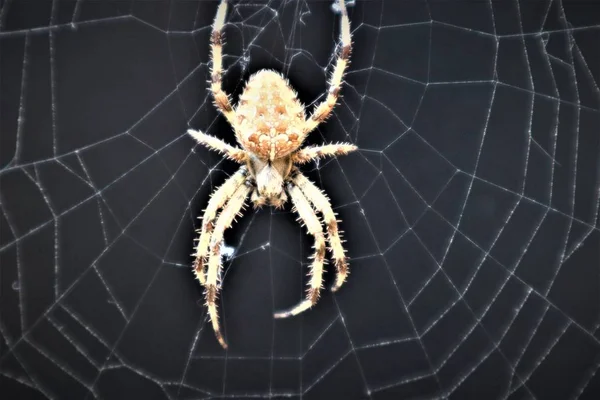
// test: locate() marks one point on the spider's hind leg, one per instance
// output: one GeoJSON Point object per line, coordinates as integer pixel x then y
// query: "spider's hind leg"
{"type": "Point", "coordinates": [217, 201]}
{"type": "Point", "coordinates": [308, 216]}
{"type": "Point", "coordinates": [224, 221]}
{"type": "Point", "coordinates": [322, 204]}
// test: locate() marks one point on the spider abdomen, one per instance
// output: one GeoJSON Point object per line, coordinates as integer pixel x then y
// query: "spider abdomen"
{"type": "Point", "coordinates": [270, 118]}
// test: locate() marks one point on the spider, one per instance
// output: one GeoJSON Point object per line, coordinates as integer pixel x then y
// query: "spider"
{"type": "Point", "coordinates": [270, 125]}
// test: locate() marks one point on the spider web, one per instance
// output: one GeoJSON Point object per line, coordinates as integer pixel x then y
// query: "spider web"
{"type": "Point", "coordinates": [470, 212]}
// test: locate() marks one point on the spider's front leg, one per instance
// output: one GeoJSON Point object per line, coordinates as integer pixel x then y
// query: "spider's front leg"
{"type": "Point", "coordinates": [308, 216]}
{"type": "Point", "coordinates": [224, 221]}
{"type": "Point", "coordinates": [216, 42]}
{"type": "Point", "coordinates": [324, 109]}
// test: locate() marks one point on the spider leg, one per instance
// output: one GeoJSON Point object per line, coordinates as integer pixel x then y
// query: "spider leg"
{"type": "Point", "coordinates": [324, 109]}
{"type": "Point", "coordinates": [216, 42]}
{"type": "Point", "coordinates": [321, 202]}
{"type": "Point", "coordinates": [219, 198]}
{"type": "Point", "coordinates": [230, 211]}
{"type": "Point", "coordinates": [310, 153]}
{"type": "Point", "coordinates": [313, 225]}
{"type": "Point", "coordinates": [213, 143]}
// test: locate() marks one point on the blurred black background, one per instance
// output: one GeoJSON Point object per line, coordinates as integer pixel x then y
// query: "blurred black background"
{"type": "Point", "coordinates": [470, 212]}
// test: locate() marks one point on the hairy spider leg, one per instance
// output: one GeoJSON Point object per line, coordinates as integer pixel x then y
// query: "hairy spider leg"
{"type": "Point", "coordinates": [324, 109]}
{"type": "Point", "coordinates": [222, 101]}
{"type": "Point", "coordinates": [218, 200]}
{"type": "Point", "coordinates": [311, 153]}
{"type": "Point", "coordinates": [233, 153]}
{"type": "Point", "coordinates": [232, 209]}
{"type": "Point", "coordinates": [313, 225]}
{"type": "Point", "coordinates": [322, 204]}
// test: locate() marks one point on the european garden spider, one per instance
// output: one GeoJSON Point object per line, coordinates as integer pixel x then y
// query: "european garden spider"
{"type": "Point", "coordinates": [270, 125]}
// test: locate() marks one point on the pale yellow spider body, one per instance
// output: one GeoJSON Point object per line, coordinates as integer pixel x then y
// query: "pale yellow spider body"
{"type": "Point", "coordinates": [270, 125]}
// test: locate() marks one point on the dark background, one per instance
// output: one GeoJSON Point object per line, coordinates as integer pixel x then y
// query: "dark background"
{"type": "Point", "coordinates": [470, 212]}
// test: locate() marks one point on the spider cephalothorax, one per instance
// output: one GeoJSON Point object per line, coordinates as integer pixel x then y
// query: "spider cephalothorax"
{"type": "Point", "coordinates": [270, 125]}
